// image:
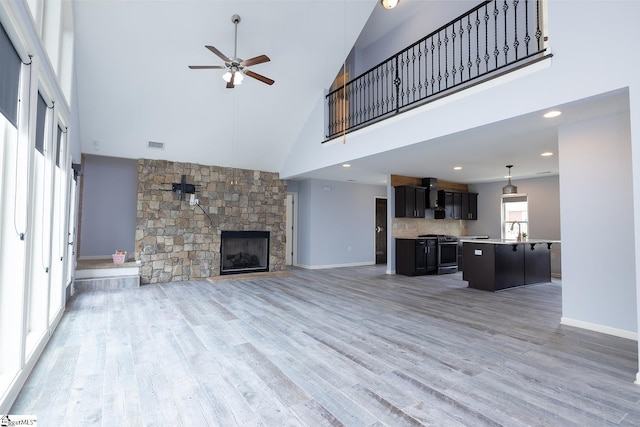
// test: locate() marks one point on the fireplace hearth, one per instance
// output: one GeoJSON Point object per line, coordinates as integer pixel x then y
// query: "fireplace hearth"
{"type": "Point", "coordinates": [244, 252]}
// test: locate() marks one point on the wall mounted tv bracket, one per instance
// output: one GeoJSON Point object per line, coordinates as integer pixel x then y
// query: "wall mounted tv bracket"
{"type": "Point", "coordinates": [183, 188]}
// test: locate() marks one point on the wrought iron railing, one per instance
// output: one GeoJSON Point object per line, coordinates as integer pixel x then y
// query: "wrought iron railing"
{"type": "Point", "coordinates": [494, 37]}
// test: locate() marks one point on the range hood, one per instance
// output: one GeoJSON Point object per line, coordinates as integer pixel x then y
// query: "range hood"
{"type": "Point", "coordinates": [432, 192]}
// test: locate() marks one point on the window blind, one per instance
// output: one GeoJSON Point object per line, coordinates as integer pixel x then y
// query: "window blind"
{"type": "Point", "coordinates": [40, 122]}
{"type": "Point", "coordinates": [58, 146]}
{"type": "Point", "coordinates": [9, 78]}
{"type": "Point", "coordinates": [514, 199]}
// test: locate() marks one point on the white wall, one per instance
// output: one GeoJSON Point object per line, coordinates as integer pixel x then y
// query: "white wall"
{"type": "Point", "coordinates": [577, 71]}
{"type": "Point", "coordinates": [109, 200]}
{"type": "Point", "coordinates": [599, 283]}
{"type": "Point", "coordinates": [543, 195]}
{"type": "Point", "coordinates": [336, 223]}
{"type": "Point", "coordinates": [431, 16]}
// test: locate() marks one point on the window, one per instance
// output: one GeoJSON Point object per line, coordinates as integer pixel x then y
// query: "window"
{"type": "Point", "coordinates": [9, 78]}
{"type": "Point", "coordinates": [515, 215]}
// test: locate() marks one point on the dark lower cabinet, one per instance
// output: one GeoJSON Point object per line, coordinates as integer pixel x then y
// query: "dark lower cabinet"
{"type": "Point", "coordinates": [492, 267]}
{"type": "Point", "coordinates": [415, 257]}
{"type": "Point", "coordinates": [537, 263]}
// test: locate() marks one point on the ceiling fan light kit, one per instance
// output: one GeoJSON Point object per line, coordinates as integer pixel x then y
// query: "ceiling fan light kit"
{"type": "Point", "coordinates": [236, 67]}
{"type": "Point", "coordinates": [389, 4]}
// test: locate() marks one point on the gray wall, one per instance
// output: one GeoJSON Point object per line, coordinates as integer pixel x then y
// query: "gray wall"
{"type": "Point", "coordinates": [336, 223]}
{"type": "Point", "coordinates": [109, 198]}
{"type": "Point", "coordinates": [543, 195]}
{"type": "Point", "coordinates": [599, 282]}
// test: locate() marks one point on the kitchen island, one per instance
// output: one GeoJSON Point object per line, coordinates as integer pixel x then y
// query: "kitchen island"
{"type": "Point", "coordinates": [495, 264]}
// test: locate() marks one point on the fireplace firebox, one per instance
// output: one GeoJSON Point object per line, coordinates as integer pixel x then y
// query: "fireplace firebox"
{"type": "Point", "coordinates": [244, 252]}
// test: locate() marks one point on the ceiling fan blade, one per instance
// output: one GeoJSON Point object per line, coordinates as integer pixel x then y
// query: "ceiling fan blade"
{"type": "Point", "coordinates": [257, 60]}
{"type": "Point", "coordinates": [230, 83]}
{"type": "Point", "coordinates": [205, 67]}
{"type": "Point", "coordinates": [217, 52]}
{"type": "Point", "coordinates": [257, 76]}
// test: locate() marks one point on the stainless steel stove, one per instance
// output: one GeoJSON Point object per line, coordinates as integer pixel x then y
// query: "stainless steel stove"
{"type": "Point", "coordinates": [447, 252]}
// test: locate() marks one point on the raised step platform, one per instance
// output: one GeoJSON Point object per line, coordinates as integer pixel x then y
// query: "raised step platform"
{"type": "Point", "coordinates": [103, 275]}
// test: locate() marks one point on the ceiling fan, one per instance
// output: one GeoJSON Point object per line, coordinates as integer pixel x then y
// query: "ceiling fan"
{"type": "Point", "coordinates": [236, 67]}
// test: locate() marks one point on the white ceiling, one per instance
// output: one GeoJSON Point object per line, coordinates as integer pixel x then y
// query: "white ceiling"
{"type": "Point", "coordinates": [134, 86]}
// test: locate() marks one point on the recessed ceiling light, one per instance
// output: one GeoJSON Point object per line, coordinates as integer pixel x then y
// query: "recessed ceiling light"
{"type": "Point", "coordinates": [547, 154]}
{"type": "Point", "coordinates": [346, 165]}
{"type": "Point", "coordinates": [457, 168]}
{"type": "Point", "coordinates": [551, 114]}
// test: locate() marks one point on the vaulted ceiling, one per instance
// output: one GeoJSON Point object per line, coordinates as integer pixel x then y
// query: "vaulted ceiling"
{"type": "Point", "coordinates": [134, 86]}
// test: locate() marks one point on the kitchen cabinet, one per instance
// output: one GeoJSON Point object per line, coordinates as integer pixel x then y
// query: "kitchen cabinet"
{"type": "Point", "coordinates": [469, 206]}
{"type": "Point", "coordinates": [410, 201]}
{"type": "Point", "coordinates": [457, 205]}
{"type": "Point", "coordinates": [494, 264]}
{"type": "Point", "coordinates": [415, 257]}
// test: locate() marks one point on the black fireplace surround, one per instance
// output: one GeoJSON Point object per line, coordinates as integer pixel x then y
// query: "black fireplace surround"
{"type": "Point", "coordinates": [244, 252]}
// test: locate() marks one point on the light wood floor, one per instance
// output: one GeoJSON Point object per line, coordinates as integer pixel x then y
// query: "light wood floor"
{"type": "Point", "coordinates": [348, 346]}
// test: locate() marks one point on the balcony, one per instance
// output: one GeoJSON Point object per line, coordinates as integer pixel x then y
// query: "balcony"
{"type": "Point", "coordinates": [493, 38]}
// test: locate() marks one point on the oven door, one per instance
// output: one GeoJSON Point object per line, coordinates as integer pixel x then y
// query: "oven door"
{"type": "Point", "coordinates": [447, 257]}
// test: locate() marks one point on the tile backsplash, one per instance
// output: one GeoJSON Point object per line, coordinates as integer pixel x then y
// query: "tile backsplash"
{"type": "Point", "coordinates": [413, 227]}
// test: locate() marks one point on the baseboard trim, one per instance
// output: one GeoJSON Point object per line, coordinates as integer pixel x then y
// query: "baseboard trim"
{"type": "Point", "coordinates": [322, 267]}
{"type": "Point", "coordinates": [608, 330]}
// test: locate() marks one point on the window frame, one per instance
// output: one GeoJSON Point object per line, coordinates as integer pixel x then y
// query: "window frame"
{"type": "Point", "coordinates": [505, 224]}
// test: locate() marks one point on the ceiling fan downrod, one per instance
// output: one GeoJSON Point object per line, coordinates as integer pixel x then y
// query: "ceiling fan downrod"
{"type": "Point", "coordinates": [235, 19]}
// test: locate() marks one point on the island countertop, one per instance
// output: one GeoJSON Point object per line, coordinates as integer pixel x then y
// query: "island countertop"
{"type": "Point", "coordinates": [508, 241]}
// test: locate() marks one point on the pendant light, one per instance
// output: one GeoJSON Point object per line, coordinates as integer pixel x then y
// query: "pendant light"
{"type": "Point", "coordinates": [509, 188]}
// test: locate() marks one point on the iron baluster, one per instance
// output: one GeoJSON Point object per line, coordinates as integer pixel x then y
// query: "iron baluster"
{"type": "Point", "coordinates": [453, 53]}
{"type": "Point", "coordinates": [486, 40]}
{"type": "Point", "coordinates": [461, 31]}
{"type": "Point", "coordinates": [397, 84]}
{"type": "Point", "coordinates": [526, 25]}
{"type": "Point", "coordinates": [516, 43]}
{"type": "Point", "coordinates": [469, 28]}
{"type": "Point", "coordinates": [538, 31]}
{"type": "Point", "coordinates": [496, 52]}
{"type": "Point", "coordinates": [505, 48]}
{"type": "Point", "coordinates": [419, 71]}
{"type": "Point", "coordinates": [439, 63]}
{"type": "Point", "coordinates": [433, 75]}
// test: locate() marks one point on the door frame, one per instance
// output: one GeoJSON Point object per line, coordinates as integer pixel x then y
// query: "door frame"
{"type": "Point", "coordinates": [375, 214]}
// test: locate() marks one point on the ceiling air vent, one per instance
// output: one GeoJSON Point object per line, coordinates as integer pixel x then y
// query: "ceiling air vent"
{"type": "Point", "coordinates": [158, 145]}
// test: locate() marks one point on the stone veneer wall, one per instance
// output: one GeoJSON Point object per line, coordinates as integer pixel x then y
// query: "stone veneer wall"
{"type": "Point", "coordinates": [176, 241]}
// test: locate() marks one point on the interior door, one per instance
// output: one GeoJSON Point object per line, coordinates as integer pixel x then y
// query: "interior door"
{"type": "Point", "coordinates": [290, 229]}
{"type": "Point", "coordinates": [381, 230]}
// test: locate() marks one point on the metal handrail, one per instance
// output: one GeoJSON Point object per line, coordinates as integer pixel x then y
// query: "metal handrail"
{"type": "Point", "coordinates": [492, 38]}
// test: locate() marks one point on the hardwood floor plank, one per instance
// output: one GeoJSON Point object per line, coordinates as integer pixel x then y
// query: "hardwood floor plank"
{"type": "Point", "coordinates": [337, 347]}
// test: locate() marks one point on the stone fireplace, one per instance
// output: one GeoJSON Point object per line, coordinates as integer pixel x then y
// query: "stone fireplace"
{"type": "Point", "coordinates": [244, 252]}
{"type": "Point", "coordinates": [176, 241]}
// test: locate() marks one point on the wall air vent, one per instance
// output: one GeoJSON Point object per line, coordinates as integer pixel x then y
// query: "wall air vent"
{"type": "Point", "coordinates": [158, 145]}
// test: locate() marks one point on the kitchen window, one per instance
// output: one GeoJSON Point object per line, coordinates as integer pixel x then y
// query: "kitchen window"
{"type": "Point", "coordinates": [515, 215]}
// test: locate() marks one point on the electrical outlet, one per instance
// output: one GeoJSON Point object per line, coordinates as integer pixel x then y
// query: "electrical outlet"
{"type": "Point", "coordinates": [192, 199]}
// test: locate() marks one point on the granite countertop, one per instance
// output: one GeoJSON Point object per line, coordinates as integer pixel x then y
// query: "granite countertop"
{"type": "Point", "coordinates": [508, 241]}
